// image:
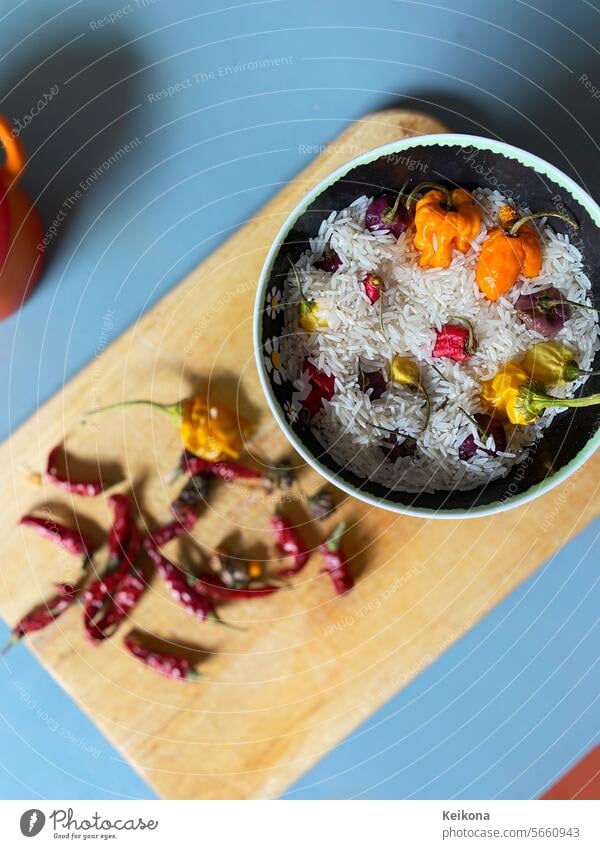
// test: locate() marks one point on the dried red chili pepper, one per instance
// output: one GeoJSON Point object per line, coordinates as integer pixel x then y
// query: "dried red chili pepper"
{"type": "Point", "coordinates": [486, 426]}
{"type": "Point", "coordinates": [126, 588]}
{"type": "Point", "coordinates": [336, 561]}
{"type": "Point", "coordinates": [180, 527]}
{"type": "Point", "coordinates": [167, 664]}
{"type": "Point", "coordinates": [69, 539]}
{"type": "Point", "coordinates": [37, 618]}
{"type": "Point", "coordinates": [373, 284]}
{"type": "Point", "coordinates": [385, 214]}
{"type": "Point", "coordinates": [181, 585]}
{"type": "Point", "coordinates": [290, 543]}
{"type": "Point", "coordinates": [322, 388]}
{"type": "Point", "coordinates": [99, 591]}
{"type": "Point", "coordinates": [86, 488]}
{"type": "Point", "coordinates": [226, 470]}
{"type": "Point", "coordinates": [277, 476]}
{"type": "Point", "coordinates": [215, 589]}
{"type": "Point", "coordinates": [397, 447]}
{"type": "Point", "coordinates": [455, 340]}
{"type": "Point", "coordinates": [121, 527]}
{"type": "Point", "coordinates": [45, 613]}
{"type": "Point", "coordinates": [373, 380]}
{"type": "Point", "coordinates": [330, 260]}
{"type": "Point", "coordinates": [192, 496]}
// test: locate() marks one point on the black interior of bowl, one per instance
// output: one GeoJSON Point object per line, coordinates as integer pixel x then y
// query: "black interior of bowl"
{"type": "Point", "coordinates": [469, 168]}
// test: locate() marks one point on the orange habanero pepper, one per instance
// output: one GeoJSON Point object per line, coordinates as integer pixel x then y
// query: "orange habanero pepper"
{"type": "Point", "coordinates": [444, 220]}
{"type": "Point", "coordinates": [510, 251]}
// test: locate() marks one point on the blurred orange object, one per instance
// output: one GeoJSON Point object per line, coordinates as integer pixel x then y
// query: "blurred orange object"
{"type": "Point", "coordinates": [21, 254]}
{"type": "Point", "coordinates": [581, 782]}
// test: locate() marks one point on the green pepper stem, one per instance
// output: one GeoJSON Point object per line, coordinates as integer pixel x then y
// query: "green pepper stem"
{"type": "Point", "coordinates": [193, 675]}
{"type": "Point", "coordinates": [298, 283]}
{"type": "Point", "coordinates": [550, 401]}
{"type": "Point", "coordinates": [215, 616]}
{"type": "Point", "coordinates": [172, 410]}
{"type": "Point", "coordinates": [439, 373]}
{"type": "Point", "coordinates": [425, 393]}
{"type": "Point", "coordinates": [471, 344]}
{"type": "Point", "coordinates": [421, 186]}
{"type": "Point", "coordinates": [390, 214]}
{"type": "Point", "coordinates": [532, 216]}
{"type": "Point", "coordinates": [381, 312]}
{"type": "Point", "coordinates": [556, 302]}
{"type": "Point", "coordinates": [334, 541]}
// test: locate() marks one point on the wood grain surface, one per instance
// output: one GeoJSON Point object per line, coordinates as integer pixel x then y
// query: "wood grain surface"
{"type": "Point", "coordinates": [310, 667]}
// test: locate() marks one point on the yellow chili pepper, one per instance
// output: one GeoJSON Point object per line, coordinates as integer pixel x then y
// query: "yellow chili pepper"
{"type": "Point", "coordinates": [405, 372]}
{"type": "Point", "coordinates": [209, 430]}
{"type": "Point", "coordinates": [502, 393]}
{"type": "Point", "coordinates": [552, 363]}
{"type": "Point", "coordinates": [513, 393]}
{"type": "Point", "coordinates": [510, 250]}
{"type": "Point", "coordinates": [444, 220]}
{"type": "Point", "coordinates": [309, 318]}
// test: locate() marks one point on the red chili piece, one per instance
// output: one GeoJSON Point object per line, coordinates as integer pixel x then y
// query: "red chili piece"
{"type": "Point", "coordinates": [121, 527]}
{"type": "Point", "coordinates": [126, 587]}
{"type": "Point", "coordinates": [166, 664]}
{"type": "Point", "coordinates": [226, 470]}
{"type": "Point", "coordinates": [69, 539]}
{"type": "Point", "coordinates": [99, 590]}
{"type": "Point", "coordinates": [373, 286]}
{"type": "Point", "coordinates": [181, 585]}
{"type": "Point", "coordinates": [86, 488]}
{"type": "Point", "coordinates": [289, 542]}
{"type": "Point", "coordinates": [214, 588]}
{"type": "Point", "coordinates": [336, 562]}
{"type": "Point", "coordinates": [322, 388]}
{"type": "Point", "coordinates": [44, 614]}
{"type": "Point", "coordinates": [455, 342]}
{"type": "Point", "coordinates": [184, 523]}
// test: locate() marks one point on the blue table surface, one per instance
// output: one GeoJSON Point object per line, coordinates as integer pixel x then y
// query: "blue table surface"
{"type": "Point", "coordinates": [166, 126]}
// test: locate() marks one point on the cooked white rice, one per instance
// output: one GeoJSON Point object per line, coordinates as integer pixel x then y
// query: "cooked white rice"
{"type": "Point", "coordinates": [417, 302]}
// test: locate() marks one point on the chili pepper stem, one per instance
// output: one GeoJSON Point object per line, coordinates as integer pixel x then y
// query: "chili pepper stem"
{"type": "Point", "coordinates": [439, 373]}
{"type": "Point", "coordinates": [532, 216]}
{"type": "Point", "coordinates": [173, 476]}
{"type": "Point", "coordinates": [175, 411]}
{"type": "Point", "coordinates": [16, 638]}
{"type": "Point", "coordinates": [537, 398]}
{"type": "Point", "coordinates": [389, 216]}
{"type": "Point", "coordinates": [425, 394]}
{"type": "Point", "coordinates": [468, 324]}
{"type": "Point", "coordinates": [550, 303]}
{"type": "Point", "coordinates": [480, 431]}
{"type": "Point", "coordinates": [298, 283]}
{"type": "Point", "coordinates": [334, 541]}
{"type": "Point", "coordinates": [427, 185]}
{"type": "Point", "coordinates": [214, 615]}
{"type": "Point", "coordinates": [192, 675]}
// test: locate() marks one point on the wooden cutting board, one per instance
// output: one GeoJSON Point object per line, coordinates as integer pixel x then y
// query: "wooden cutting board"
{"type": "Point", "coordinates": [310, 667]}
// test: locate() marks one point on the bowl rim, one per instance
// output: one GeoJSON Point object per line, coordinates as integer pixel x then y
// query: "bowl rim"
{"type": "Point", "coordinates": [445, 140]}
